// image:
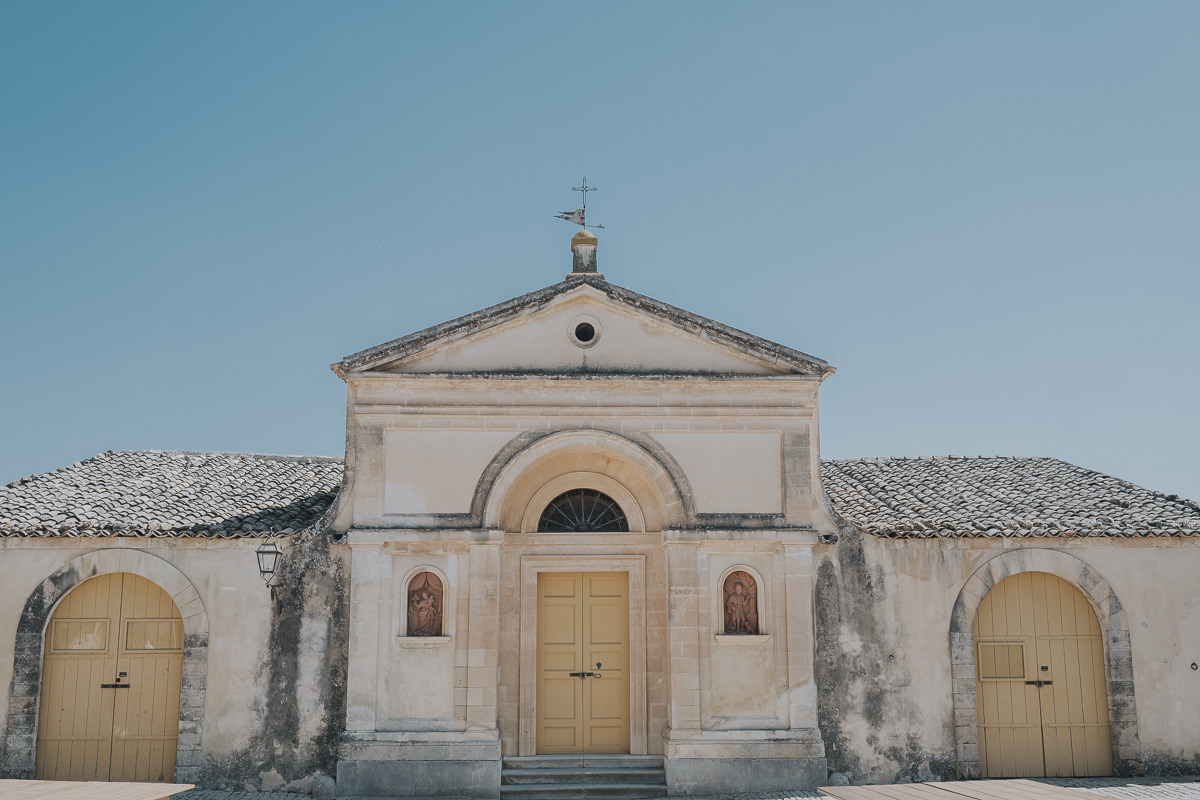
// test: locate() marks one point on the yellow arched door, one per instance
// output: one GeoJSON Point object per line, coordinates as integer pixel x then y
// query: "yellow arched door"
{"type": "Point", "coordinates": [111, 678]}
{"type": "Point", "coordinates": [1042, 701]}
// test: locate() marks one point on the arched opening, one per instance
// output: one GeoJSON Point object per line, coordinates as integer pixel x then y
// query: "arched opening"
{"type": "Point", "coordinates": [111, 683]}
{"type": "Point", "coordinates": [525, 479]}
{"type": "Point", "coordinates": [582, 511]}
{"type": "Point", "coordinates": [1040, 681]}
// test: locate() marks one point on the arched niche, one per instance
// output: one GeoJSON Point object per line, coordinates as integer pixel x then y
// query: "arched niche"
{"type": "Point", "coordinates": [599, 460]}
{"type": "Point", "coordinates": [1118, 656]}
{"type": "Point", "coordinates": [425, 592]}
{"type": "Point", "coordinates": [739, 594]}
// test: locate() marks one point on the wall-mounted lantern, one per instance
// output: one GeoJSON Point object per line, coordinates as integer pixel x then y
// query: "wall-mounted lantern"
{"type": "Point", "coordinates": [268, 561]}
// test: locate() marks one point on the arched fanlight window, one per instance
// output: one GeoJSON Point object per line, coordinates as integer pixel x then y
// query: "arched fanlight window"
{"type": "Point", "coordinates": [582, 511]}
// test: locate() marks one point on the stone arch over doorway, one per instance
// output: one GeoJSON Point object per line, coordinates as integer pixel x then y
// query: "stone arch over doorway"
{"type": "Point", "coordinates": [650, 490]}
{"type": "Point", "coordinates": [1118, 656]}
{"type": "Point", "coordinates": [30, 644]}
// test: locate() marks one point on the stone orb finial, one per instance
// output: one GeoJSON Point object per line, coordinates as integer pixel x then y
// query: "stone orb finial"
{"type": "Point", "coordinates": [584, 237]}
{"type": "Point", "coordinates": [583, 254]}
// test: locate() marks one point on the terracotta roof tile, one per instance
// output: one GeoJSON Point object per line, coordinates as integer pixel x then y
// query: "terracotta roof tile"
{"type": "Point", "coordinates": [175, 494]}
{"type": "Point", "coordinates": [172, 494]}
{"type": "Point", "coordinates": [950, 496]}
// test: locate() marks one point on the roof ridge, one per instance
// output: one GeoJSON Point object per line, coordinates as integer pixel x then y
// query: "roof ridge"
{"type": "Point", "coordinates": [947, 457]}
{"type": "Point", "coordinates": [281, 456]}
{"type": "Point", "coordinates": [697, 324]}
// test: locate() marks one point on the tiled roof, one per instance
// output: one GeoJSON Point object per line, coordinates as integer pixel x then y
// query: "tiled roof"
{"type": "Point", "coordinates": [153, 493]}
{"type": "Point", "coordinates": [905, 498]}
{"type": "Point", "coordinates": [172, 494]}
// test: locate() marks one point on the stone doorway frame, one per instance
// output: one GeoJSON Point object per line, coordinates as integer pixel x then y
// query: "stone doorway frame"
{"type": "Point", "coordinates": [1118, 654]}
{"type": "Point", "coordinates": [635, 567]}
{"type": "Point", "coordinates": [20, 755]}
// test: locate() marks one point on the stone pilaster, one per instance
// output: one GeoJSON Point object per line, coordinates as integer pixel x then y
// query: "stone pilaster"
{"type": "Point", "coordinates": [483, 633]}
{"type": "Point", "coordinates": [683, 633]}
{"type": "Point", "coordinates": [798, 589]}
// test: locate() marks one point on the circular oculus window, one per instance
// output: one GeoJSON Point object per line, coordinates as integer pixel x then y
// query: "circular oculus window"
{"type": "Point", "coordinates": [584, 331]}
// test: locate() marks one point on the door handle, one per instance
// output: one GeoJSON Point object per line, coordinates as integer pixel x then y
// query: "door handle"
{"type": "Point", "coordinates": [587, 674]}
{"type": "Point", "coordinates": [1039, 684]}
{"type": "Point", "coordinates": [118, 684]}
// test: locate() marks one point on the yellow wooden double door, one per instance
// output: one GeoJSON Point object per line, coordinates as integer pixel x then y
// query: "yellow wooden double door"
{"type": "Point", "coordinates": [111, 680]}
{"type": "Point", "coordinates": [1042, 701]}
{"type": "Point", "coordinates": [583, 662]}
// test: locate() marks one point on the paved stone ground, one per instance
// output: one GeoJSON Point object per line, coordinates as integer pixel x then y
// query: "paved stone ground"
{"type": "Point", "coordinates": [1119, 788]}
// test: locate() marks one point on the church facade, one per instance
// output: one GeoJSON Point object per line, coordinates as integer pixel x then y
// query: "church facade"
{"type": "Point", "coordinates": [585, 524]}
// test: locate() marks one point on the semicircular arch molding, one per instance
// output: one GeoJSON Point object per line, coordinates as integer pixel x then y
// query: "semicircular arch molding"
{"type": "Point", "coordinates": [30, 644]}
{"type": "Point", "coordinates": [1118, 656]}
{"type": "Point", "coordinates": [627, 468]}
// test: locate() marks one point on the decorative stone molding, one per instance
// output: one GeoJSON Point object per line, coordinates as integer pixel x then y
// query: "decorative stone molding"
{"type": "Point", "coordinates": [1118, 656]}
{"type": "Point", "coordinates": [635, 567]}
{"type": "Point", "coordinates": [506, 491]}
{"type": "Point", "coordinates": [30, 644]}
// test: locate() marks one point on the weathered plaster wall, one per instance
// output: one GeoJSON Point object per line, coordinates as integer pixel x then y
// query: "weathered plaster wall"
{"type": "Point", "coordinates": [879, 699]}
{"type": "Point", "coordinates": [293, 689]}
{"type": "Point", "coordinates": [262, 685]}
{"type": "Point", "coordinates": [883, 612]}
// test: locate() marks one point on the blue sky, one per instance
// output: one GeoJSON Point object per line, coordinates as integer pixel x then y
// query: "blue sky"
{"type": "Point", "coordinates": [985, 215]}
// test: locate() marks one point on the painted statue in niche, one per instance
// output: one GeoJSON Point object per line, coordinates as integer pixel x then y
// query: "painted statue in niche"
{"type": "Point", "coordinates": [741, 604]}
{"type": "Point", "coordinates": [425, 605]}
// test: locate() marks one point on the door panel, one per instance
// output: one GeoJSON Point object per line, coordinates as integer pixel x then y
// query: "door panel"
{"type": "Point", "coordinates": [75, 718]}
{"type": "Point", "coordinates": [583, 621]}
{"type": "Point", "coordinates": [606, 643]}
{"type": "Point", "coordinates": [112, 629]}
{"type": "Point", "coordinates": [1010, 732]}
{"type": "Point", "coordinates": [1059, 728]}
{"type": "Point", "coordinates": [560, 652]}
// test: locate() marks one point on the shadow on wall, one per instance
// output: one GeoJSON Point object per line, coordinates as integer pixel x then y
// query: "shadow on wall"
{"type": "Point", "coordinates": [304, 669]}
{"type": "Point", "coordinates": [864, 706]}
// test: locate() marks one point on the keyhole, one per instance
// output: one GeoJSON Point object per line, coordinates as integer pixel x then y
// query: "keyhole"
{"type": "Point", "coordinates": [597, 665]}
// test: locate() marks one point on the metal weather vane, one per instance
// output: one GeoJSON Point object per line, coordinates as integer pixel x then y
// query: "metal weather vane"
{"type": "Point", "coordinates": [579, 215]}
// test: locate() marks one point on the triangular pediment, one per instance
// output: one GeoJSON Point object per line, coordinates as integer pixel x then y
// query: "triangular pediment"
{"type": "Point", "coordinates": [586, 326]}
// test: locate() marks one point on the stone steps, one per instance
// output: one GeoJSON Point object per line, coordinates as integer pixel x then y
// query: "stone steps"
{"type": "Point", "coordinates": [615, 777]}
